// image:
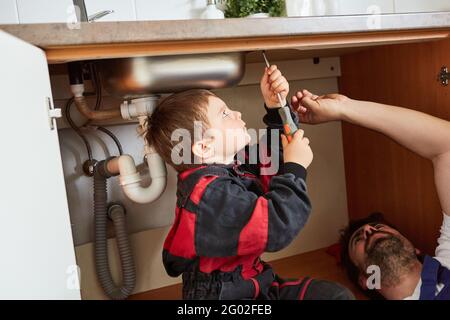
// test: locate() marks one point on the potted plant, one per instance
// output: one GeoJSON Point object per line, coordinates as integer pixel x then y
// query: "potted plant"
{"type": "Point", "coordinates": [254, 8]}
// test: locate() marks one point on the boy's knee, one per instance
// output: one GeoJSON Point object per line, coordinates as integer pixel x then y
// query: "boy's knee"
{"type": "Point", "coordinates": [327, 290]}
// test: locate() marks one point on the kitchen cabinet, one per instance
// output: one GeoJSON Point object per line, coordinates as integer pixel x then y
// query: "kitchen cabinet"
{"type": "Point", "coordinates": [380, 174]}
{"type": "Point", "coordinates": [34, 198]}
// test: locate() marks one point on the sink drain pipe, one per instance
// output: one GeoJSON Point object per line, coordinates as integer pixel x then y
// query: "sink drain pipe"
{"type": "Point", "coordinates": [130, 181]}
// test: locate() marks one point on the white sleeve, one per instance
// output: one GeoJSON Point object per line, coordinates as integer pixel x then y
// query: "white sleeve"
{"type": "Point", "coordinates": [443, 248]}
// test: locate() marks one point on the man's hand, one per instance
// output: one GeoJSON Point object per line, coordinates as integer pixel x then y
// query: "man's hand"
{"type": "Point", "coordinates": [298, 150]}
{"type": "Point", "coordinates": [314, 109]}
{"type": "Point", "coordinates": [273, 82]}
{"type": "Point", "coordinates": [421, 133]}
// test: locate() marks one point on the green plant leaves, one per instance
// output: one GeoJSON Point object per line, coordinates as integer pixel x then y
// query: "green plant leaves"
{"type": "Point", "coordinates": [243, 8]}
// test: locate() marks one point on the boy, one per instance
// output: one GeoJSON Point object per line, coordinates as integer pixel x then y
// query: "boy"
{"type": "Point", "coordinates": [229, 213]}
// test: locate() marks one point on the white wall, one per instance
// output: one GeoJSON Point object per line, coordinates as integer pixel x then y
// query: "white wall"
{"type": "Point", "coordinates": [39, 11]}
{"type": "Point", "coordinates": [8, 12]}
{"type": "Point", "coordinates": [123, 10]}
{"type": "Point", "coordinates": [149, 224]}
{"type": "Point", "coordinates": [421, 5]}
{"type": "Point", "coordinates": [349, 7]}
{"type": "Point", "coordinates": [365, 6]}
{"type": "Point", "coordinates": [80, 190]}
{"type": "Point", "coordinates": [169, 10]}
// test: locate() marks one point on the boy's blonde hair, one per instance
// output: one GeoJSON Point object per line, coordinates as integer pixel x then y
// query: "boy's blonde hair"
{"type": "Point", "coordinates": [177, 111]}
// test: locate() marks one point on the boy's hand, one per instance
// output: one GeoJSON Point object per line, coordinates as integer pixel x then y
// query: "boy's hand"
{"type": "Point", "coordinates": [298, 150]}
{"type": "Point", "coordinates": [273, 82]}
{"type": "Point", "coordinates": [314, 109]}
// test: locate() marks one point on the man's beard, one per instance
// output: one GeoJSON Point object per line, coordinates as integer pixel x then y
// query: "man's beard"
{"type": "Point", "coordinates": [393, 256]}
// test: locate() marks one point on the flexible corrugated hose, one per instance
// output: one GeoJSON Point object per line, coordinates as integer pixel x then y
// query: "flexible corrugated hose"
{"type": "Point", "coordinates": [101, 244]}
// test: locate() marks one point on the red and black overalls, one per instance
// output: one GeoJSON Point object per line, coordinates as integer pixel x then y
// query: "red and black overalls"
{"type": "Point", "coordinates": [226, 217]}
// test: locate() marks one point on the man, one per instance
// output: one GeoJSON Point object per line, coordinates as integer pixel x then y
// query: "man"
{"type": "Point", "coordinates": [371, 241]}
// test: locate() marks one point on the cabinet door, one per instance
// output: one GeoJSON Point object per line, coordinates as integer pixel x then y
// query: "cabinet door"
{"type": "Point", "coordinates": [37, 256]}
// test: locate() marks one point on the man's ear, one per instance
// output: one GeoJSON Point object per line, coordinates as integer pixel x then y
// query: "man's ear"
{"type": "Point", "coordinates": [203, 149]}
{"type": "Point", "coordinates": [362, 281]}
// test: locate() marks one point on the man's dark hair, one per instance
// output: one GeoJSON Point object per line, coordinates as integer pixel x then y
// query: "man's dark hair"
{"type": "Point", "coordinates": [351, 269]}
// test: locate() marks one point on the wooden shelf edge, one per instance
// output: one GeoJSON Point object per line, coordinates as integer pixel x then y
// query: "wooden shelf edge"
{"type": "Point", "coordinates": [328, 41]}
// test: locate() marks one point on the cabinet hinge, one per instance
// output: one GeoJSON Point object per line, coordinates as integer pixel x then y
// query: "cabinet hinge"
{"type": "Point", "coordinates": [53, 113]}
{"type": "Point", "coordinates": [444, 76]}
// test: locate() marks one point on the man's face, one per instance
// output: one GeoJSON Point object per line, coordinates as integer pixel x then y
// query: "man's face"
{"type": "Point", "coordinates": [381, 245]}
{"type": "Point", "coordinates": [227, 132]}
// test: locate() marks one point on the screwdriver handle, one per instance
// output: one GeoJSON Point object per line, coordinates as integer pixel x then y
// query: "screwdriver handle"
{"type": "Point", "coordinates": [289, 126]}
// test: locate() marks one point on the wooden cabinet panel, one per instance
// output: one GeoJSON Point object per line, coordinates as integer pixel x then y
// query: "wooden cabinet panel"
{"type": "Point", "coordinates": [380, 174]}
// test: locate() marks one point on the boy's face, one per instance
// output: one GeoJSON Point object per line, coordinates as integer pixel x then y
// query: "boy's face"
{"type": "Point", "coordinates": [227, 133]}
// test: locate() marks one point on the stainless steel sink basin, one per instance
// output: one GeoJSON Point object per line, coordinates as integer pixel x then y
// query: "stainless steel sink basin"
{"type": "Point", "coordinates": [141, 76]}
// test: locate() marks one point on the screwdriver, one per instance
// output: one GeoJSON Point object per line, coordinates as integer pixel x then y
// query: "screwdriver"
{"type": "Point", "coordinates": [289, 126]}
